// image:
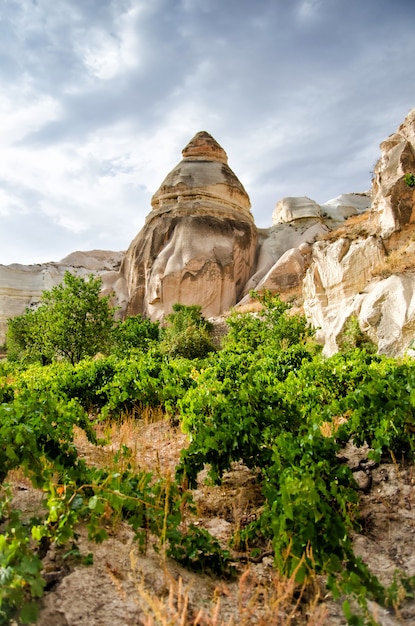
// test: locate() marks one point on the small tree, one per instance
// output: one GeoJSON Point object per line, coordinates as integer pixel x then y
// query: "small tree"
{"type": "Point", "coordinates": [187, 333]}
{"type": "Point", "coordinates": [72, 322]}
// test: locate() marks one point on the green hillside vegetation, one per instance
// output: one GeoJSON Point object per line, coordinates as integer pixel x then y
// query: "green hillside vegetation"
{"type": "Point", "coordinates": [267, 399]}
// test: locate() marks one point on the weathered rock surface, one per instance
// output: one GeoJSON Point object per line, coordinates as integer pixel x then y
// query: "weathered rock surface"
{"type": "Point", "coordinates": [340, 281]}
{"type": "Point", "coordinates": [199, 242]}
{"type": "Point", "coordinates": [334, 283]}
{"type": "Point", "coordinates": [290, 209]}
{"type": "Point", "coordinates": [335, 211]}
{"type": "Point", "coordinates": [386, 313]}
{"type": "Point", "coordinates": [285, 249]}
{"type": "Point", "coordinates": [393, 200]}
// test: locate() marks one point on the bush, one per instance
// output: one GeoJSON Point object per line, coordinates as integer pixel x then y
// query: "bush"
{"type": "Point", "coordinates": [135, 333]}
{"type": "Point", "coordinates": [187, 333]}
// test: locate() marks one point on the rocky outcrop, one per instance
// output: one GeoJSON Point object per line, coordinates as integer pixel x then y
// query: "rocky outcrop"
{"type": "Point", "coordinates": [343, 279]}
{"type": "Point", "coordinates": [199, 242]}
{"type": "Point", "coordinates": [333, 285]}
{"type": "Point", "coordinates": [387, 314]}
{"type": "Point", "coordinates": [285, 249]}
{"type": "Point", "coordinates": [393, 200]}
{"type": "Point", "coordinates": [335, 290]}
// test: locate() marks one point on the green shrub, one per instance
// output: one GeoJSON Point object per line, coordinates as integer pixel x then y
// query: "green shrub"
{"type": "Point", "coordinates": [187, 333]}
{"type": "Point", "coordinates": [134, 333]}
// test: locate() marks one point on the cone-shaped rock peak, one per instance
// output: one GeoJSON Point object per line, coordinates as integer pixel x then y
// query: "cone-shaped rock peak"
{"type": "Point", "coordinates": [201, 182]}
{"type": "Point", "coordinates": [204, 147]}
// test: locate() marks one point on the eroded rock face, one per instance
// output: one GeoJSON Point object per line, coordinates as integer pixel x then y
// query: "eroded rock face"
{"type": "Point", "coordinates": [336, 281]}
{"type": "Point", "coordinates": [337, 287]}
{"type": "Point", "coordinates": [285, 249]}
{"type": "Point", "coordinates": [387, 313]}
{"type": "Point", "coordinates": [199, 242]}
{"type": "Point", "coordinates": [340, 281]}
{"type": "Point", "coordinates": [393, 200]}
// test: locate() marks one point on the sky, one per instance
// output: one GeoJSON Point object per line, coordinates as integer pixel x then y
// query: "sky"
{"type": "Point", "coordinates": [99, 97]}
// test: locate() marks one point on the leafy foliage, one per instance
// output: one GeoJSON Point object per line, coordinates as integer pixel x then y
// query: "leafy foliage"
{"type": "Point", "coordinates": [20, 569]}
{"type": "Point", "coordinates": [271, 326]}
{"type": "Point", "coordinates": [410, 180]}
{"type": "Point", "coordinates": [72, 322]}
{"type": "Point", "coordinates": [134, 333]}
{"type": "Point", "coordinates": [187, 333]}
{"type": "Point", "coordinates": [268, 399]}
{"type": "Point", "coordinates": [353, 336]}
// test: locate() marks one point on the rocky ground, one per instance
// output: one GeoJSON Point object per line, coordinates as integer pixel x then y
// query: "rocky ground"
{"type": "Point", "coordinates": [122, 587]}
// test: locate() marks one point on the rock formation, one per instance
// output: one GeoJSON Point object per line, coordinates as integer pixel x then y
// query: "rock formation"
{"type": "Point", "coordinates": [335, 282]}
{"type": "Point", "coordinates": [393, 200]}
{"type": "Point", "coordinates": [199, 242]}
{"type": "Point", "coordinates": [199, 245]}
{"type": "Point", "coordinates": [285, 249]}
{"type": "Point", "coordinates": [349, 276]}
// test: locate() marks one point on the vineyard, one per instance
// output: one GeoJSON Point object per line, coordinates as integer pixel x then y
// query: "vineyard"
{"type": "Point", "coordinates": [267, 402]}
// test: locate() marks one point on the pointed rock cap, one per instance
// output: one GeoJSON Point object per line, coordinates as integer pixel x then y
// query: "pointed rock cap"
{"type": "Point", "coordinates": [202, 182]}
{"type": "Point", "coordinates": [204, 147]}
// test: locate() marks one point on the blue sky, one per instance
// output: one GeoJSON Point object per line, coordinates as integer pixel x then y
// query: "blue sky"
{"type": "Point", "coordinates": [98, 98]}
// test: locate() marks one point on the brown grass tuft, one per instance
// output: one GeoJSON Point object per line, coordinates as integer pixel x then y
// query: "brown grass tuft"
{"type": "Point", "coordinates": [274, 601]}
{"type": "Point", "coordinates": [362, 225]}
{"type": "Point", "coordinates": [399, 260]}
{"type": "Point", "coordinates": [151, 443]}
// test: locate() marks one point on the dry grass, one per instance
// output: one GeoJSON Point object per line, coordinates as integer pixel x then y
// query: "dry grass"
{"type": "Point", "coordinates": [399, 260]}
{"type": "Point", "coordinates": [328, 429]}
{"type": "Point", "coordinates": [252, 600]}
{"type": "Point", "coordinates": [293, 296]}
{"type": "Point", "coordinates": [362, 225]}
{"type": "Point", "coordinates": [150, 443]}
{"type": "Point", "coordinates": [250, 307]}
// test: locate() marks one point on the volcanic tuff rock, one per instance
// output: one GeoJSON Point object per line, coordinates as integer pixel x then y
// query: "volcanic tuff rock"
{"type": "Point", "coordinates": [334, 283]}
{"type": "Point", "coordinates": [199, 242]}
{"type": "Point", "coordinates": [347, 276]}
{"type": "Point", "coordinates": [393, 200]}
{"type": "Point", "coordinates": [284, 251]}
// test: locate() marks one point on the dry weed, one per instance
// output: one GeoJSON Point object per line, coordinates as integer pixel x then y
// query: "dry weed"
{"type": "Point", "coordinates": [328, 429]}
{"type": "Point", "coordinates": [362, 225]}
{"type": "Point", "coordinates": [151, 443]}
{"type": "Point", "coordinates": [399, 260]}
{"type": "Point", "coordinates": [275, 602]}
{"type": "Point", "coordinates": [250, 307]}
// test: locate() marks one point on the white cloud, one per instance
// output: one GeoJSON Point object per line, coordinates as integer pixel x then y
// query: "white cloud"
{"type": "Point", "coordinates": [308, 8]}
{"type": "Point", "coordinates": [97, 99]}
{"type": "Point", "coordinates": [108, 54]}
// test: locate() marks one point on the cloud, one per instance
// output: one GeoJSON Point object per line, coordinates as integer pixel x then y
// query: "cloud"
{"type": "Point", "coordinates": [98, 98]}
